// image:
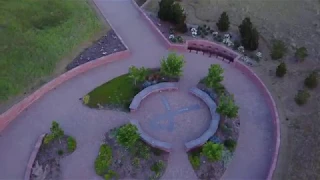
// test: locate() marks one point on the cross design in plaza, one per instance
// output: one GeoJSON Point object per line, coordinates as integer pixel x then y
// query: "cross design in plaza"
{"type": "Point", "coordinates": [166, 121]}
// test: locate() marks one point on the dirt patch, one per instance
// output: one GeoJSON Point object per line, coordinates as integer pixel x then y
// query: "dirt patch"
{"type": "Point", "coordinates": [106, 45]}
{"type": "Point", "coordinates": [139, 165]}
{"type": "Point", "coordinates": [47, 163]}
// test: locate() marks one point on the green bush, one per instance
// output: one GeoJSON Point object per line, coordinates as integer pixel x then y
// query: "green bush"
{"type": "Point", "coordinates": [110, 175]}
{"type": "Point", "coordinates": [157, 167]}
{"type": "Point", "coordinates": [172, 65]}
{"type": "Point", "coordinates": [301, 53]}
{"type": "Point", "coordinates": [136, 162]}
{"type": "Point", "coordinates": [195, 161]}
{"type": "Point", "coordinates": [227, 107]}
{"type": "Point", "coordinates": [127, 135]}
{"type": "Point", "coordinates": [140, 149]}
{"type": "Point", "coordinates": [249, 35]}
{"type": "Point", "coordinates": [86, 99]}
{"type": "Point", "coordinates": [72, 144]}
{"type": "Point", "coordinates": [56, 133]}
{"type": "Point", "coordinates": [279, 49]}
{"type": "Point", "coordinates": [137, 74]}
{"type": "Point", "coordinates": [281, 70]}
{"type": "Point", "coordinates": [212, 151]}
{"type": "Point", "coordinates": [223, 23]}
{"type": "Point", "coordinates": [230, 144]}
{"type": "Point", "coordinates": [312, 80]}
{"type": "Point", "coordinates": [103, 160]}
{"type": "Point", "coordinates": [214, 77]}
{"type": "Point", "coordinates": [302, 97]}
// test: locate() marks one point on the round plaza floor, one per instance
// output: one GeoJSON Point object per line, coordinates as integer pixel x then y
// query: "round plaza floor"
{"type": "Point", "coordinates": [173, 116]}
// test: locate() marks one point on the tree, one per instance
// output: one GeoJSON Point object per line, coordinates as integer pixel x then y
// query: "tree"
{"type": "Point", "coordinates": [137, 74]}
{"type": "Point", "coordinates": [172, 66]}
{"type": "Point", "coordinates": [223, 23]}
{"type": "Point", "coordinates": [56, 133]}
{"type": "Point", "coordinates": [212, 151]}
{"type": "Point", "coordinates": [214, 77]}
{"type": "Point", "coordinates": [278, 49]}
{"type": "Point", "coordinates": [301, 53]}
{"type": "Point", "coordinates": [281, 70]}
{"type": "Point", "coordinates": [312, 80]}
{"type": "Point", "coordinates": [249, 35]}
{"type": "Point", "coordinates": [127, 135]}
{"type": "Point", "coordinates": [227, 107]}
{"type": "Point", "coordinates": [165, 10]}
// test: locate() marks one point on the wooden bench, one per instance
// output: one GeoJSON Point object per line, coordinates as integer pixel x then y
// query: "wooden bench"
{"type": "Point", "coordinates": [212, 51]}
{"type": "Point", "coordinates": [215, 119]}
{"type": "Point", "coordinates": [135, 103]}
{"type": "Point", "coordinates": [165, 146]}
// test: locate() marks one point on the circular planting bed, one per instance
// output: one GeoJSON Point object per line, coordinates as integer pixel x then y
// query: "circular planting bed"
{"type": "Point", "coordinates": [55, 146]}
{"type": "Point", "coordinates": [124, 155]}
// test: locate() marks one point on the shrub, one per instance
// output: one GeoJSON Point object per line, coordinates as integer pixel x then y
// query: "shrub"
{"type": "Point", "coordinates": [172, 66]}
{"type": "Point", "coordinates": [223, 23]}
{"type": "Point", "coordinates": [72, 144]}
{"type": "Point", "coordinates": [103, 160]}
{"type": "Point", "coordinates": [171, 11]}
{"type": "Point", "coordinates": [227, 107]}
{"type": "Point", "coordinates": [60, 152]}
{"type": "Point", "coordinates": [136, 162]}
{"type": "Point", "coordinates": [127, 135]}
{"type": "Point", "coordinates": [249, 35]}
{"type": "Point", "coordinates": [214, 76]}
{"type": "Point", "coordinates": [140, 149]}
{"type": "Point", "coordinates": [157, 167]}
{"type": "Point", "coordinates": [212, 151]}
{"type": "Point", "coordinates": [281, 69]}
{"type": "Point", "coordinates": [86, 99]}
{"type": "Point", "coordinates": [302, 97]}
{"type": "Point", "coordinates": [312, 80]}
{"type": "Point", "coordinates": [56, 133]}
{"type": "Point", "coordinates": [230, 144]}
{"type": "Point", "coordinates": [195, 161]}
{"type": "Point", "coordinates": [278, 49]}
{"type": "Point", "coordinates": [301, 53]}
{"type": "Point", "coordinates": [137, 74]}
{"type": "Point", "coordinates": [110, 175]}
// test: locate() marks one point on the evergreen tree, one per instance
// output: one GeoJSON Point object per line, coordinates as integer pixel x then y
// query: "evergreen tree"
{"type": "Point", "coordinates": [249, 35]}
{"type": "Point", "coordinates": [223, 23]}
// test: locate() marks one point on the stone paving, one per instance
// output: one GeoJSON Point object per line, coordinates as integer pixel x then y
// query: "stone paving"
{"type": "Point", "coordinates": [255, 148]}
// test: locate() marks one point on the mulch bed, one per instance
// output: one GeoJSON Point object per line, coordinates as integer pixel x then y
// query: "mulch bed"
{"type": "Point", "coordinates": [127, 164]}
{"type": "Point", "coordinates": [47, 163]}
{"type": "Point", "coordinates": [106, 45]}
{"type": "Point", "coordinates": [229, 130]}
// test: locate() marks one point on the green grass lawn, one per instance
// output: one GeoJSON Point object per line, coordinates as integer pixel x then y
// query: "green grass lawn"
{"type": "Point", "coordinates": [115, 93]}
{"type": "Point", "coordinates": [36, 34]}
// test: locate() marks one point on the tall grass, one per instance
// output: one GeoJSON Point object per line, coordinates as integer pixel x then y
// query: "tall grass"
{"type": "Point", "coordinates": [35, 35]}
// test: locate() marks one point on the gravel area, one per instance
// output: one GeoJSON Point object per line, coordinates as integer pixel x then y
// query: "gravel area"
{"type": "Point", "coordinates": [107, 44]}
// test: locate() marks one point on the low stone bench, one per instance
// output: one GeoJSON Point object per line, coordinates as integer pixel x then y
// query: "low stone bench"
{"type": "Point", "coordinates": [166, 86]}
{"type": "Point", "coordinates": [215, 118]}
{"type": "Point", "coordinates": [150, 140]}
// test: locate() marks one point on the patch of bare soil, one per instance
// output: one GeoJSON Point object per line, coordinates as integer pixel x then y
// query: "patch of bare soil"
{"type": "Point", "coordinates": [297, 23]}
{"type": "Point", "coordinates": [136, 164]}
{"type": "Point", "coordinates": [47, 163]}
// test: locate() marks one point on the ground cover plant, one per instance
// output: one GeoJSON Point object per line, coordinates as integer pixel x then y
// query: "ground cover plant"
{"type": "Point", "coordinates": [55, 145]}
{"type": "Point", "coordinates": [125, 155]}
{"type": "Point", "coordinates": [35, 35]}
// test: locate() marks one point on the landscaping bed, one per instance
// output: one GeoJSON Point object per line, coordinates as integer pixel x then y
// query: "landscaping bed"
{"type": "Point", "coordinates": [119, 159]}
{"type": "Point", "coordinates": [211, 160]}
{"type": "Point", "coordinates": [118, 93]}
{"type": "Point", "coordinates": [106, 45]}
{"type": "Point", "coordinates": [52, 149]}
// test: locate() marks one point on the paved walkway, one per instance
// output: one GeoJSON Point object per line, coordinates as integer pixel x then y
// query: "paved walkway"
{"type": "Point", "coordinates": [255, 146]}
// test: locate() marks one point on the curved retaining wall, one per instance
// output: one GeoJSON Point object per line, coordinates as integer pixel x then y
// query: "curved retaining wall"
{"type": "Point", "coordinates": [15, 110]}
{"type": "Point", "coordinates": [165, 86]}
{"type": "Point", "coordinates": [240, 66]}
{"type": "Point", "coordinates": [33, 157]}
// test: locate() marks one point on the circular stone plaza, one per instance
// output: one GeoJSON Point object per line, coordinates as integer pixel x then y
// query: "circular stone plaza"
{"type": "Point", "coordinates": [175, 116]}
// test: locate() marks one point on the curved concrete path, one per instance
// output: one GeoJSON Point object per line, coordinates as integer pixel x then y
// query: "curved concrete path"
{"type": "Point", "coordinates": [255, 145]}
